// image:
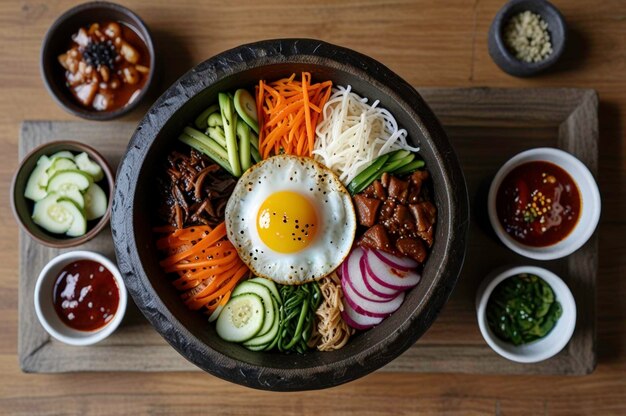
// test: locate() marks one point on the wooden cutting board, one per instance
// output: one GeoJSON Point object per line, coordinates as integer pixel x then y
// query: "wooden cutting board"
{"type": "Point", "coordinates": [486, 127]}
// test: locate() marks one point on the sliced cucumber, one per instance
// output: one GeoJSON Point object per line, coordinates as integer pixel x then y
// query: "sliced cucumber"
{"type": "Point", "coordinates": [79, 225]}
{"type": "Point", "coordinates": [35, 187]}
{"type": "Point", "coordinates": [271, 286]}
{"type": "Point", "coordinates": [241, 319]}
{"type": "Point", "coordinates": [216, 313]}
{"type": "Point", "coordinates": [71, 191]}
{"type": "Point", "coordinates": [267, 338]}
{"type": "Point", "coordinates": [243, 134]}
{"type": "Point", "coordinates": [215, 120]}
{"type": "Point", "coordinates": [265, 295]}
{"type": "Point", "coordinates": [217, 134]}
{"type": "Point", "coordinates": [95, 202]}
{"type": "Point", "coordinates": [52, 215]}
{"type": "Point", "coordinates": [229, 121]}
{"type": "Point", "coordinates": [201, 120]}
{"type": "Point", "coordinates": [245, 105]}
{"type": "Point", "coordinates": [59, 164]}
{"type": "Point", "coordinates": [85, 164]}
{"type": "Point", "coordinates": [66, 154]}
{"type": "Point", "coordinates": [257, 347]}
{"type": "Point", "coordinates": [78, 178]}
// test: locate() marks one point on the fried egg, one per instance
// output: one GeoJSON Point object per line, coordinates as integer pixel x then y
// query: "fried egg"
{"type": "Point", "coordinates": [291, 219]}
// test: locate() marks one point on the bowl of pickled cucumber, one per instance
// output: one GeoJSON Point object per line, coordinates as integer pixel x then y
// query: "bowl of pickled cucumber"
{"type": "Point", "coordinates": [62, 192]}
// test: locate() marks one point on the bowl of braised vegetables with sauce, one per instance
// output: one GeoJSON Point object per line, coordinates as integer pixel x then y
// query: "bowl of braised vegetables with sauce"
{"type": "Point", "coordinates": [526, 313]}
{"type": "Point", "coordinates": [98, 60]}
{"type": "Point", "coordinates": [62, 192]}
{"type": "Point", "coordinates": [290, 215]}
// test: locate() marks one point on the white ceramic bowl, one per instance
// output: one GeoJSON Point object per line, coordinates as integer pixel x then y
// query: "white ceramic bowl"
{"type": "Point", "coordinates": [44, 306]}
{"type": "Point", "coordinates": [543, 348]}
{"type": "Point", "coordinates": [590, 204]}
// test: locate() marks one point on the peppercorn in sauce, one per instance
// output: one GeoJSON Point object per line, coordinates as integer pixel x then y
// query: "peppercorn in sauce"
{"type": "Point", "coordinates": [106, 66]}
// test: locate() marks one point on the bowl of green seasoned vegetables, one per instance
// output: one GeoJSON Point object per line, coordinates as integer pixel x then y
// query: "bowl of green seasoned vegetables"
{"type": "Point", "coordinates": [526, 314]}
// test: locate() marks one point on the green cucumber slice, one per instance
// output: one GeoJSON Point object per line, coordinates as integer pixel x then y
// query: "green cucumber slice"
{"type": "Point", "coordinates": [391, 166]}
{"type": "Point", "coordinates": [267, 338]}
{"type": "Point", "coordinates": [256, 347]}
{"type": "Point", "coordinates": [35, 186]}
{"type": "Point", "coordinates": [59, 215]}
{"type": "Point", "coordinates": [201, 120]}
{"type": "Point", "coordinates": [79, 225]}
{"type": "Point", "coordinates": [87, 165]}
{"type": "Point", "coordinates": [95, 202]}
{"type": "Point", "coordinates": [411, 167]}
{"type": "Point", "coordinates": [265, 295]}
{"type": "Point", "coordinates": [215, 120]}
{"type": "Point", "coordinates": [230, 126]}
{"type": "Point", "coordinates": [78, 178]}
{"type": "Point", "coordinates": [241, 319]}
{"type": "Point", "coordinates": [245, 105]}
{"type": "Point", "coordinates": [52, 216]}
{"type": "Point", "coordinates": [66, 154]}
{"type": "Point", "coordinates": [271, 286]}
{"type": "Point", "coordinates": [59, 164]}
{"type": "Point", "coordinates": [71, 191]}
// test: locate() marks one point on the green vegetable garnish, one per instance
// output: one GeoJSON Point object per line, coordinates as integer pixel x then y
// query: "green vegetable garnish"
{"type": "Point", "coordinates": [298, 316]}
{"type": "Point", "coordinates": [398, 162]}
{"type": "Point", "coordinates": [522, 309]}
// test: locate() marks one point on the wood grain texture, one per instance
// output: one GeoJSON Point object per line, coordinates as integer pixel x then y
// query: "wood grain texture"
{"type": "Point", "coordinates": [430, 44]}
{"type": "Point", "coordinates": [568, 119]}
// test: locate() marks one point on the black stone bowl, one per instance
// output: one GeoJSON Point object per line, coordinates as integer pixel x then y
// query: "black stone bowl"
{"type": "Point", "coordinates": [505, 59]}
{"type": "Point", "coordinates": [189, 332]}
{"type": "Point", "coordinates": [58, 38]}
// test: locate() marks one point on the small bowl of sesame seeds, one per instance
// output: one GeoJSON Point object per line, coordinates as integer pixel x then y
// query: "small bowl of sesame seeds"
{"type": "Point", "coordinates": [527, 37]}
{"type": "Point", "coordinates": [544, 203]}
{"type": "Point", "coordinates": [98, 60]}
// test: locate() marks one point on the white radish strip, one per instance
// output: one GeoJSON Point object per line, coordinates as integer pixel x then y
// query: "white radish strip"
{"type": "Point", "coordinates": [388, 276]}
{"type": "Point", "coordinates": [367, 307]}
{"type": "Point", "coordinates": [402, 263]}
{"type": "Point", "coordinates": [352, 272]}
{"type": "Point", "coordinates": [372, 285]}
{"type": "Point", "coordinates": [357, 320]}
{"type": "Point", "coordinates": [352, 133]}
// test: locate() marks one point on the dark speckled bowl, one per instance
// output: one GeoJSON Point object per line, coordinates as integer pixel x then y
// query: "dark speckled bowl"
{"type": "Point", "coordinates": [189, 332]}
{"type": "Point", "coordinates": [556, 28]}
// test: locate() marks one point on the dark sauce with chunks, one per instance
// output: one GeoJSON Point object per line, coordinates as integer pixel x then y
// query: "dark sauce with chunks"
{"type": "Point", "coordinates": [538, 204]}
{"type": "Point", "coordinates": [106, 65]}
{"type": "Point", "coordinates": [85, 295]}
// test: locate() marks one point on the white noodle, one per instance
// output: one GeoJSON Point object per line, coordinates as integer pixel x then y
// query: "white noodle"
{"type": "Point", "coordinates": [353, 133]}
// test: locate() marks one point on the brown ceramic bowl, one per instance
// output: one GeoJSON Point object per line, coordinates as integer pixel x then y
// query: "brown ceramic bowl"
{"type": "Point", "coordinates": [136, 198]}
{"type": "Point", "coordinates": [23, 207]}
{"type": "Point", "coordinates": [59, 36]}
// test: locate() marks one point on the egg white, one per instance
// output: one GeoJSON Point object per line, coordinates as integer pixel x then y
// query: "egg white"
{"type": "Point", "coordinates": [336, 225]}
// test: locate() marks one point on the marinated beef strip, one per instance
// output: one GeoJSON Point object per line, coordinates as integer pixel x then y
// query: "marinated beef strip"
{"type": "Point", "coordinates": [194, 190]}
{"type": "Point", "coordinates": [399, 215]}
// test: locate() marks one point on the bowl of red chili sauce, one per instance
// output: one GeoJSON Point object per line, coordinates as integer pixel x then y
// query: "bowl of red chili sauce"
{"type": "Point", "coordinates": [544, 204]}
{"type": "Point", "coordinates": [80, 297]}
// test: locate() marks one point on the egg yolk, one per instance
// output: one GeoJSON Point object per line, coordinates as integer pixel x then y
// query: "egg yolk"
{"type": "Point", "coordinates": [287, 222]}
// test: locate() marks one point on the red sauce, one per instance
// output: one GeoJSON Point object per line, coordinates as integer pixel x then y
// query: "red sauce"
{"type": "Point", "coordinates": [85, 295]}
{"type": "Point", "coordinates": [538, 204]}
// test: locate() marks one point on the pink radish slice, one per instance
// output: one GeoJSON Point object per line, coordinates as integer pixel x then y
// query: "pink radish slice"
{"type": "Point", "coordinates": [372, 285]}
{"type": "Point", "coordinates": [356, 320]}
{"type": "Point", "coordinates": [388, 276]}
{"type": "Point", "coordinates": [367, 307]}
{"type": "Point", "coordinates": [402, 263]}
{"type": "Point", "coordinates": [352, 273]}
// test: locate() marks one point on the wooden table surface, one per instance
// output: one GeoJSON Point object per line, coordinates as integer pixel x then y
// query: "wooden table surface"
{"type": "Point", "coordinates": [437, 44]}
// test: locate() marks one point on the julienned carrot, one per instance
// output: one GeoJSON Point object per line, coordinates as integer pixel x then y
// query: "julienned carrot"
{"type": "Point", "coordinates": [206, 263]}
{"type": "Point", "coordinates": [288, 112]}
